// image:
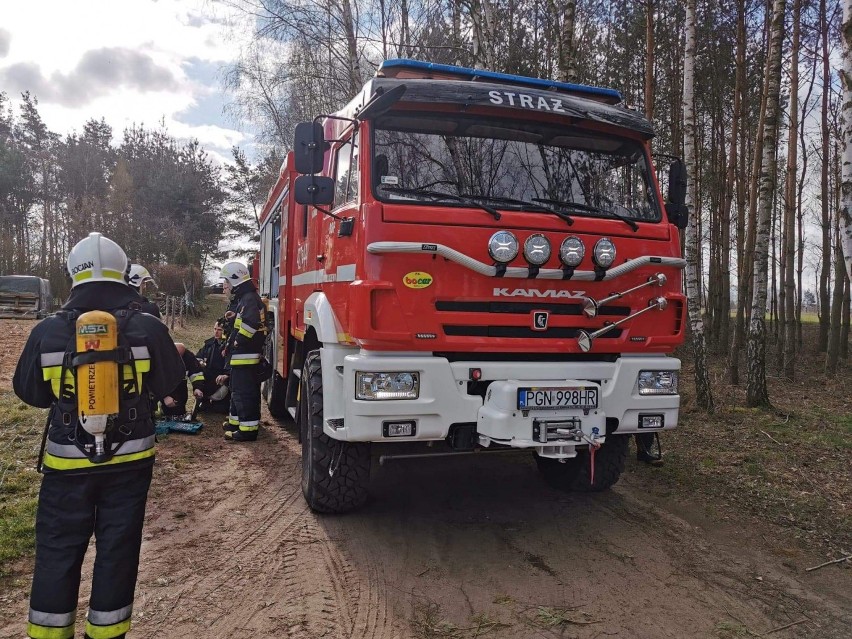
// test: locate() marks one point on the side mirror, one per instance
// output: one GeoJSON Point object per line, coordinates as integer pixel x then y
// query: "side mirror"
{"type": "Point", "coordinates": [309, 147]}
{"type": "Point", "coordinates": [676, 208]}
{"type": "Point", "coordinates": [314, 190]}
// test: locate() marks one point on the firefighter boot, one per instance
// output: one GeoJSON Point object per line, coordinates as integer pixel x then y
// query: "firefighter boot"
{"type": "Point", "coordinates": [645, 445]}
{"type": "Point", "coordinates": [241, 436]}
{"type": "Point", "coordinates": [230, 427]}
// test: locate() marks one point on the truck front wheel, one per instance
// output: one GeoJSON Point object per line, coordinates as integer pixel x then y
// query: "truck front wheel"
{"type": "Point", "coordinates": [575, 474]}
{"type": "Point", "coordinates": [334, 473]}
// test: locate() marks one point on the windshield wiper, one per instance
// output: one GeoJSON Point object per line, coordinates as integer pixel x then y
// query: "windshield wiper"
{"type": "Point", "coordinates": [532, 205]}
{"type": "Point", "coordinates": [591, 209]}
{"type": "Point", "coordinates": [448, 196]}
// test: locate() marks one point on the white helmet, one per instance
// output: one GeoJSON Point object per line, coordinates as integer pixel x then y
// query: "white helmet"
{"type": "Point", "coordinates": [96, 259]}
{"type": "Point", "coordinates": [138, 275]}
{"type": "Point", "coordinates": [235, 273]}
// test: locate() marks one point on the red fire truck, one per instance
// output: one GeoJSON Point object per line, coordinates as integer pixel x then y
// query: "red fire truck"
{"type": "Point", "coordinates": [469, 261]}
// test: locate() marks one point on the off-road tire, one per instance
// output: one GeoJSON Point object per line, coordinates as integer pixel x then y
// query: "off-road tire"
{"type": "Point", "coordinates": [276, 392]}
{"type": "Point", "coordinates": [346, 489]}
{"type": "Point", "coordinates": [574, 474]}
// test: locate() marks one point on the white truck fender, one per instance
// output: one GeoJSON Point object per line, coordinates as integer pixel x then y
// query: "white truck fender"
{"type": "Point", "coordinates": [319, 315]}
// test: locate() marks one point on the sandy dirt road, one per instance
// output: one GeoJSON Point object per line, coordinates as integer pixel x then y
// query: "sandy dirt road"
{"type": "Point", "coordinates": [453, 548]}
{"type": "Point", "coordinates": [470, 547]}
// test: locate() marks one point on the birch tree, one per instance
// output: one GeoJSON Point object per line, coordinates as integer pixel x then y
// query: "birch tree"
{"type": "Point", "coordinates": [693, 265]}
{"type": "Point", "coordinates": [757, 393]}
{"type": "Point", "coordinates": [563, 21]}
{"type": "Point", "coordinates": [846, 125]}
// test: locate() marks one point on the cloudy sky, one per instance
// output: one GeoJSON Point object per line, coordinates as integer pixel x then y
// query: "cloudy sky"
{"type": "Point", "coordinates": [128, 61]}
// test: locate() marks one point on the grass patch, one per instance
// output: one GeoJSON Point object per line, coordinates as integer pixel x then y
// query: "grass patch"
{"type": "Point", "coordinates": [550, 617]}
{"type": "Point", "coordinates": [20, 439]}
{"type": "Point", "coordinates": [427, 623]}
{"type": "Point", "coordinates": [21, 430]}
{"type": "Point", "coordinates": [197, 329]}
{"type": "Point", "coordinates": [787, 467]}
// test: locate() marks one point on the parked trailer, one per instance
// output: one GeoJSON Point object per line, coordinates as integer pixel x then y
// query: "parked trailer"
{"type": "Point", "coordinates": [465, 260]}
{"type": "Point", "coordinates": [25, 296]}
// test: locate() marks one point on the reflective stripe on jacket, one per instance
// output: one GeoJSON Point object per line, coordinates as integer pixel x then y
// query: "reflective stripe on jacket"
{"type": "Point", "coordinates": [155, 368]}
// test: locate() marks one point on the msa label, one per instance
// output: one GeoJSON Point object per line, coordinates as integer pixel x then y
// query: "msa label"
{"type": "Point", "coordinates": [93, 329]}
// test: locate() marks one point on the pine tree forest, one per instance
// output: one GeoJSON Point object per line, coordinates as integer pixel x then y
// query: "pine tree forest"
{"type": "Point", "coordinates": [751, 93]}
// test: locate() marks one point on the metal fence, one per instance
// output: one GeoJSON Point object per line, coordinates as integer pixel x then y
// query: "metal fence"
{"type": "Point", "coordinates": [176, 309]}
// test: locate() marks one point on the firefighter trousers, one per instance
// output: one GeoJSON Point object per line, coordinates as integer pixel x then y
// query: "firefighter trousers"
{"type": "Point", "coordinates": [245, 398]}
{"type": "Point", "coordinates": [70, 509]}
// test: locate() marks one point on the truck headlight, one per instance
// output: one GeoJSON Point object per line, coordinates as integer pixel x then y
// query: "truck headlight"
{"type": "Point", "coordinates": [503, 247]}
{"type": "Point", "coordinates": [658, 382]}
{"type": "Point", "coordinates": [536, 249]}
{"type": "Point", "coordinates": [604, 253]}
{"type": "Point", "coordinates": [392, 385]}
{"type": "Point", "coordinates": [572, 251]}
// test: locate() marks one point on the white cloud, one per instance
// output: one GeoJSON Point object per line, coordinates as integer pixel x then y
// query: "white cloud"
{"type": "Point", "coordinates": [130, 62]}
{"type": "Point", "coordinates": [5, 42]}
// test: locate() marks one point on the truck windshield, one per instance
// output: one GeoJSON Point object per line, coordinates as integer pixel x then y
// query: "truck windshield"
{"type": "Point", "coordinates": [581, 172]}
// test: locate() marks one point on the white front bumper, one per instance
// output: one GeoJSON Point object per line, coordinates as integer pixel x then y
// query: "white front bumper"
{"type": "Point", "coordinates": [444, 401]}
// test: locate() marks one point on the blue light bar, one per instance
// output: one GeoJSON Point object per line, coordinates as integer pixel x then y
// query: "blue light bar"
{"type": "Point", "coordinates": [463, 73]}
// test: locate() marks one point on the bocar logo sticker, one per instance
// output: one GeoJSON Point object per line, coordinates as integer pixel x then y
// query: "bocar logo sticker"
{"type": "Point", "coordinates": [417, 279]}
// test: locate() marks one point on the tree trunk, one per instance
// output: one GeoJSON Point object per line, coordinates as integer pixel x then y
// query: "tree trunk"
{"type": "Point", "coordinates": [844, 332]}
{"type": "Point", "coordinates": [800, 264]}
{"type": "Point", "coordinates": [757, 393]}
{"type": "Point", "coordinates": [489, 34]}
{"type": "Point", "coordinates": [789, 356]}
{"type": "Point", "coordinates": [846, 112]}
{"type": "Point", "coordinates": [825, 271]}
{"type": "Point", "coordinates": [457, 31]}
{"type": "Point", "coordinates": [832, 353]}
{"type": "Point", "coordinates": [563, 20]}
{"type": "Point", "coordinates": [570, 68]}
{"type": "Point", "coordinates": [353, 65]}
{"type": "Point", "coordinates": [404, 30]}
{"type": "Point", "coordinates": [704, 397]}
{"type": "Point", "coordinates": [649, 59]}
{"type": "Point", "coordinates": [744, 236]}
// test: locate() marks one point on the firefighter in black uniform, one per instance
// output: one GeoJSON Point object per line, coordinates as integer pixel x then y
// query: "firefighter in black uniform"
{"type": "Point", "coordinates": [84, 493]}
{"type": "Point", "coordinates": [175, 403]}
{"type": "Point", "coordinates": [139, 276]}
{"type": "Point", "coordinates": [244, 348]}
{"type": "Point", "coordinates": [213, 362]}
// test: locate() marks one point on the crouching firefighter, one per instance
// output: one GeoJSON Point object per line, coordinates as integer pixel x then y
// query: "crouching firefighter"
{"type": "Point", "coordinates": [244, 350]}
{"type": "Point", "coordinates": [93, 364]}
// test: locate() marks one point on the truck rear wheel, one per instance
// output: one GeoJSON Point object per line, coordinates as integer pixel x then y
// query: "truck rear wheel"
{"type": "Point", "coordinates": [276, 391]}
{"type": "Point", "coordinates": [334, 473]}
{"type": "Point", "coordinates": [575, 474]}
